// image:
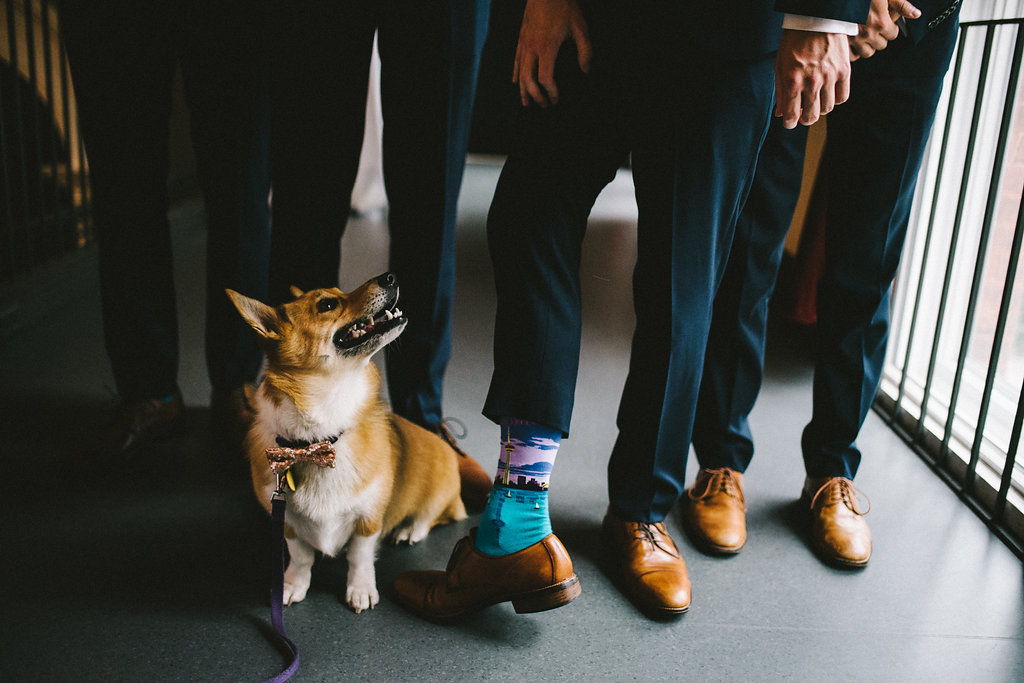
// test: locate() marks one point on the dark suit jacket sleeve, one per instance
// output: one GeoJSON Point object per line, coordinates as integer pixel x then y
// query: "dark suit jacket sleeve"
{"type": "Point", "coordinates": [934, 13]}
{"type": "Point", "coordinates": [855, 11]}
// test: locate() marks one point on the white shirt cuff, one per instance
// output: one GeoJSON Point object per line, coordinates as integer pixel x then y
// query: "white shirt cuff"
{"type": "Point", "coordinates": [798, 22]}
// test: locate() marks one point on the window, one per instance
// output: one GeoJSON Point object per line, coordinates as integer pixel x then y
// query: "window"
{"type": "Point", "coordinates": [956, 349]}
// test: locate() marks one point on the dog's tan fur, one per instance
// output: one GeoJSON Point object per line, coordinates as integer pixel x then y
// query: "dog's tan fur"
{"type": "Point", "coordinates": [391, 478]}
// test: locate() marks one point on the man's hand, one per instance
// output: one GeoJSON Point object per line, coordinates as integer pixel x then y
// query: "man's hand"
{"type": "Point", "coordinates": [881, 27]}
{"type": "Point", "coordinates": [546, 25]}
{"type": "Point", "coordinates": [812, 75]}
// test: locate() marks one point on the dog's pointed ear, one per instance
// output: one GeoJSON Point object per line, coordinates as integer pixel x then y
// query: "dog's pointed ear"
{"type": "Point", "coordinates": [296, 292]}
{"type": "Point", "coordinates": [260, 316]}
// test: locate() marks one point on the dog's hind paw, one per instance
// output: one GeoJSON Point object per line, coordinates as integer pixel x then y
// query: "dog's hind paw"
{"type": "Point", "coordinates": [409, 534]}
{"type": "Point", "coordinates": [361, 597]}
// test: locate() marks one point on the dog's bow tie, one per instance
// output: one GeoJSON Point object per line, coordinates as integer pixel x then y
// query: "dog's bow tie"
{"type": "Point", "coordinates": [282, 458]}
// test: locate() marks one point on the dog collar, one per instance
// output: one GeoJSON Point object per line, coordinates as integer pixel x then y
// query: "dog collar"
{"type": "Point", "coordinates": [298, 443]}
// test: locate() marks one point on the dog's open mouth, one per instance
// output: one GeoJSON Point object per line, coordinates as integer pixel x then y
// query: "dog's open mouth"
{"type": "Point", "coordinates": [361, 331]}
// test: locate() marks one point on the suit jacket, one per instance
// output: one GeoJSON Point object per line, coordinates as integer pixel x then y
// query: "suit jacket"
{"type": "Point", "coordinates": [934, 14]}
{"type": "Point", "coordinates": [747, 29]}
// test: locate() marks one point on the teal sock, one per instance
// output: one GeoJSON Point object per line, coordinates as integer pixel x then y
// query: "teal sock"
{"type": "Point", "coordinates": [516, 515]}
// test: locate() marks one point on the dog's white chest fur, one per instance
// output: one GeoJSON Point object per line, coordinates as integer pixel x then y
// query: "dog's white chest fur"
{"type": "Point", "coordinates": [325, 506]}
{"type": "Point", "coordinates": [327, 502]}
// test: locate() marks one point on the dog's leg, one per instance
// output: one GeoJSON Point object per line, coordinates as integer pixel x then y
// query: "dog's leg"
{"type": "Point", "coordinates": [361, 592]}
{"type": "Point", "coordinates": [412, 532]}
{"type": "Point", "coordinates": [296, 577]}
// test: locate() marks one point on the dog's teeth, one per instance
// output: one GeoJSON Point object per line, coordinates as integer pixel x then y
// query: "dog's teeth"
{"type": "Point", "coordinates": [388, 315]}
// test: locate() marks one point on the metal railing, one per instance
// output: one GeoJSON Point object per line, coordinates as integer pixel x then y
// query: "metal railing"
{"type": "Point", "coordinates": [960, 408]}
{"type": "Point", "coordinates": [44, 188]}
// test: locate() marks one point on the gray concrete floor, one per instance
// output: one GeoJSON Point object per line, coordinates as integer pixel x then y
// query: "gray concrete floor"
{"type": "Point", "coordinates": [156, 572]}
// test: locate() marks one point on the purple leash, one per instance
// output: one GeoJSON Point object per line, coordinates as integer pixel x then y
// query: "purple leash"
{"type": "Point", "coordinates": [277, 585]}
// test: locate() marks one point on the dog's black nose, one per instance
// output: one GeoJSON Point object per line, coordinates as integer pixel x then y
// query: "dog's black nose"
{"type": "Point", "coordinates": [387, 280]}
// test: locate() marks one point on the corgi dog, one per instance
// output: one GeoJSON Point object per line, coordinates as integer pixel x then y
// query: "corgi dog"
{"type": "Point", "coordinates": [390, 478]}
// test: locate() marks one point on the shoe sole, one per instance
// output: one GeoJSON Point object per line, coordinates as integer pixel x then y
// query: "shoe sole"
{"type": "Point", "coordinates": [548, 598]}
{"type": "Point", "coordinates": [647, 608]}
{"type": "Point", "coordinates": [705, 545]}
{"type": "Point", "coordinates": [540, 600]}
{"type": "Point", "coordinates": [833, 560]}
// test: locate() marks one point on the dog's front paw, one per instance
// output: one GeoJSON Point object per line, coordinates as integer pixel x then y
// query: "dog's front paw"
{"type": "Point", "coordinates": [294, 593]}
{"type": "Point", "coordinates": [360, 596]}
{"type": "Point", "coordinates": [296, 583]}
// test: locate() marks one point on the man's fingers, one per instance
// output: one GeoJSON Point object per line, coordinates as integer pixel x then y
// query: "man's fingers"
{"type": "Point", "coordinates": [902, 8]}
{"type": "Point", "coordinates": [875, 39]}
{"type": "Point", "coordinates": [827, 100]}
{"type": "Point", "coordinates": [811, 106]}
{"type": "Point", "coordinates": [584, 51]}
{"type": "Point", "coordinates": [537, 93]}
{"type": "Point", "coordinates": [528, 86]}
{"type": "Point", "coordinates": [842, 90]}
{"type": "Point", "coordinates": [787, 99]}
{"type": "Point", "coordinates": [515, 64]}
{"type": "Point", "coordinates": [546, 76]}
{"type": "Point", "coordinates": [860, 49]}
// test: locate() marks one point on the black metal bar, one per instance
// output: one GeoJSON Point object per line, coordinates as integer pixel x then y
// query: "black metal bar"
{"type": "Point", "coordinates": [65, 101]}
{"type": "Point", "coordinates": [990, 22]}
{"type": "Point", "coordinates": [36, 228]}
{"type": "Point", "coordinates": [51, 130]}
{"type": "Point", "coordinates": [6, 195]}
{"type": "Point", "coordinates": [957, 69]}
{"type": "Point", "coordinates": [999, 509]}
{"type": "Point", "coordinates": [83, 162]}
{"type": "Point", "coordinates": [992, 201]}
{"type": "Point", "coordinates": [955, 236]}
{"type": "Point", "coordinates": [19, 133]}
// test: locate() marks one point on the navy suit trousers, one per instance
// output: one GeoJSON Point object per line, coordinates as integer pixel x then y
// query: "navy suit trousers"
{"type": "Point", "coordinates": [873, 153]}
{"type": "Point", "coordinates": [430, 54]}
{"type": "Point", "coordinates": [694, 123]}
{"type": "Point", "coordinates": [123, 56]}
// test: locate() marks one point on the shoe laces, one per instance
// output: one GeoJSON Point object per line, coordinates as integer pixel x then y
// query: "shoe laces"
{"type": "Point", "coordinates": [457, 552]}
{"type": "Point", "coordinates": [654, 534]}
{"type": "Point", "coordinates": [721, 480]}
{"type": "Point", "coordinates": [840, 490]}
{"type": "Point", "coordinates": [442, 430]}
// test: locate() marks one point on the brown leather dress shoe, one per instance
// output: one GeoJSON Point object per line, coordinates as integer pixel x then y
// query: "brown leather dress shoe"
{"type": "Point", "coordinates": [537, 578]}
{"type": "Point", "coordinates": [838, 530]}
{"type": "Point", "coordinates": [653, 571]}
{"type": "Point", "coordinates": [476, 483]}
{"type": "Point", "coordinates": [716, 512]}
{"type": "Point", "coordinates": [137, 423]}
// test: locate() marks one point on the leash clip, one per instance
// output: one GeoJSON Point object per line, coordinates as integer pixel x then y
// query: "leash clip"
{"type": "Point", "coordinates": [285, 482]}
